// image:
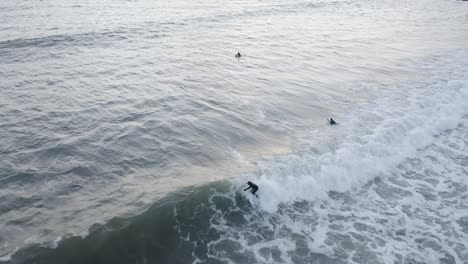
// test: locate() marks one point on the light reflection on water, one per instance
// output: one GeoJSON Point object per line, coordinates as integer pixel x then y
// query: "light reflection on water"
{"type": "Point", "coordinates": [104, 100]}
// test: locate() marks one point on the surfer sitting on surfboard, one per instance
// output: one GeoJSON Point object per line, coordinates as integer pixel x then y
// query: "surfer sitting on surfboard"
{"type": "Point", "coordinates": [253, 186]}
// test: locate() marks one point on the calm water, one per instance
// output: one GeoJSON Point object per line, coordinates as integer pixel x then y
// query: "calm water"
{"type": "Point", "coordinates": [128, 128]}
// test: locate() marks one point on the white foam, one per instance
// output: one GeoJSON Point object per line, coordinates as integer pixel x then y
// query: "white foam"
{"type": "Point", "coordinates": [375, 138]}
{"type": "Point", "coordinates": [7, 257]}
{"type": "Point", "coordinates": [412, 216]}
{"type": "Point", "coordinates": [239, 157]}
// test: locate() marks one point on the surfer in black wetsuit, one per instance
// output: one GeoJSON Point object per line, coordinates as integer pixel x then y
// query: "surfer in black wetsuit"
{"type": "Point", "coordinates": [253, 186]}
{"type": "Point", "coordinates": [238, 55]}
{"type": "Point", "coordinates": [332, 122]}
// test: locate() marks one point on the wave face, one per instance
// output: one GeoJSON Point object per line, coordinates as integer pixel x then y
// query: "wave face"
{"type": "Point", "coordinates": [392, 190]}
{"type": "Point", "coordinates": [128, 130]}
{"type": "Point", "coordinates": [374, 139]}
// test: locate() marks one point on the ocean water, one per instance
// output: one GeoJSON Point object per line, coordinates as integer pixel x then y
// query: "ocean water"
{"type": "Point", "coordinates": [128, 130]}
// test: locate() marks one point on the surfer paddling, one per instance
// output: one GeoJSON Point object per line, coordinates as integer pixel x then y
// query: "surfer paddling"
{"type": "Point", "coordinates": [332, 122]}
{"type": "Point", "coordinates": [252, 186]}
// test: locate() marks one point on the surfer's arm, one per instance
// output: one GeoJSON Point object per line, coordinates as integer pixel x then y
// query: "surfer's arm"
{"type": "Point", "coordinates": [247, 188]}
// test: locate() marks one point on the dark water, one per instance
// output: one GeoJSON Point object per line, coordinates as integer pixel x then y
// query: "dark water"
{"type": "Point", "coordinates": [128, 128]}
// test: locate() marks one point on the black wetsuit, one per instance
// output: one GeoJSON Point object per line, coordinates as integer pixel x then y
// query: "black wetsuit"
{"type": "Point", "coordinates": [253, 186]}
{"type": "Point", "coordinates": [332, 122]}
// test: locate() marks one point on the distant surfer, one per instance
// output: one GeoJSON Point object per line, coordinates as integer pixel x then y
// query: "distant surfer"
{"type": "Point", "coordinates": [252, 186]}
{"type": "Point", "coordinates": [238, 55]}
{"type": "Point", "coordinates": [332, 122]}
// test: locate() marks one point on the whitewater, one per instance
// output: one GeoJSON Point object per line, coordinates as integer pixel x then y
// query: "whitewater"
{"type": "Point", "coordinates": [128, 131]}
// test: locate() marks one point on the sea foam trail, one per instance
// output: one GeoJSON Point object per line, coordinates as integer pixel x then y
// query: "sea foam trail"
{"type": "Point", "coordinates": [376, 139]}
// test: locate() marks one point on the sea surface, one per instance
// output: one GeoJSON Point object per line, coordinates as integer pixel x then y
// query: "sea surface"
{"type": "Point", "coordinates": [128, 130]}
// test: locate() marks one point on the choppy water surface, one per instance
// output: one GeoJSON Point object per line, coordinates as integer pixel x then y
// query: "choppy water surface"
{"type": "Point", "coordinates": [127, 129]}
